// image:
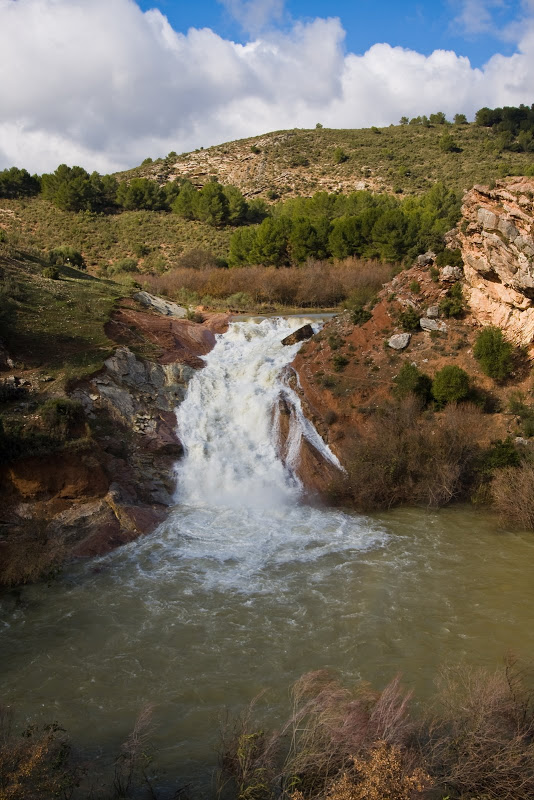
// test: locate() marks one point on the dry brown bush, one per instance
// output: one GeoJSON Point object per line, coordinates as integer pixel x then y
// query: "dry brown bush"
{"type": "Point", "coordinates": [34, 766]}
{"type": "Point", "coordinates": [407, 456]}
{"type": "Point", "coordinates": [512, 491]}
{"type": "Point", "coordinates": [328, 726]}
{"type": "Point", "coordinates": [133, 764]}
{"type": "Point", "coordinates": [380, 776]}
{"type": "Point", "coordinates": [314, 284]}
{"type": "Point", "coordinates": [476, 740]}
{"type": "Point", "coordinates": [481, 741]}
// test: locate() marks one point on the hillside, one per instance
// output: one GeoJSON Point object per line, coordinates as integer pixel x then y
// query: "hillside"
{"type": "Point", "coordinates": [405, 158]}
{"type": "Point", "coordinates": [104, 239]}
{"type": "Point", "coordinates": [90, 381]}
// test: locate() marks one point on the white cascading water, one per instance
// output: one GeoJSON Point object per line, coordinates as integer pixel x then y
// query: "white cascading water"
{"type": "Point", "coordinates": [226, 422]}
{"type": "Point", "coordinates": [238, 515]}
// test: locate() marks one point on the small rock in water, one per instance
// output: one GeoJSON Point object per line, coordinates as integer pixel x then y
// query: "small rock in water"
{"type": "Point", "coordinates": [399, 341]}
{"type": "Point", "coordinates": [432, 325]}
{"type": "Point", "coordinates": [306, 332]}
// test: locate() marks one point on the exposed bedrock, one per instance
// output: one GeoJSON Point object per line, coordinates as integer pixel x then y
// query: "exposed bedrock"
{"type": "Point", "coordinates": [496, 238]}
{"type": "Point", "coordinates": [121, 483]}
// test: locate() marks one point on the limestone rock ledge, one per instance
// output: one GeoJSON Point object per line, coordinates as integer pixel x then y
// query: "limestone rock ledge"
{"type": "Point", "coordinates": [496, 239]}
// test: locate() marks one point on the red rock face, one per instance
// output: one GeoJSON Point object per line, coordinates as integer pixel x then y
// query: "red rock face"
{"type": "Point", "coordinates": [177, 339]}
{"type": "Point", "coordinates": [315, 472]}
{"type": "Point", "coordinates": [61, 476]}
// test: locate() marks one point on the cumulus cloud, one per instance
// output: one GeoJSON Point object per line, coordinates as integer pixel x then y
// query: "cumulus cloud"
{"type": "Point", "coordinates": [104, 85]}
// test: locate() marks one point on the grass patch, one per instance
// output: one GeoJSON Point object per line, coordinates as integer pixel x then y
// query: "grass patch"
{"type": "Point", "coordinates": [59, 323]}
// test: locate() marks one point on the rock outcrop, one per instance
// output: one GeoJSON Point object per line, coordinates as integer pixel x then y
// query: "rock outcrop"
{"type": "Point", "coordinates": [496, 238]}
{"type": "Point", "coordinates": [300, 335]}
{"type": "Point", "coordinates": [119, 482]}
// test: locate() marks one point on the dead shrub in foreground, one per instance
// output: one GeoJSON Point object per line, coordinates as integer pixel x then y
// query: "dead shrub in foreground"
{"type": "Point", "coordinates": [34, 765]}
{"type": "Point", "coordinates": [407, 456]}
{"type": "Point", "coordinates": [481, 741]}
{"type": "Point", "coordinates": [512, 490]}
{"type": "Point", "coordinates": [476, 740]}
{"type": "Point", "coordinates": [379, 776]}
{"type": "Point", "coordinates": [328, 727]}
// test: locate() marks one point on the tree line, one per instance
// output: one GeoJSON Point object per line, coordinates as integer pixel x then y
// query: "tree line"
{"type": "Point", "coordinates": [74, 189]}
{"type": "Point", "coordinates": [513, 126]}
{"type": "Point", "coordinates": [360, 224]}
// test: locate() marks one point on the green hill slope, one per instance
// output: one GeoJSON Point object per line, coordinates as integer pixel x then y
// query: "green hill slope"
{"type": "Point", "coordinates": [104, 239]}
{"type": "Point", "coordinates": [400, 157]}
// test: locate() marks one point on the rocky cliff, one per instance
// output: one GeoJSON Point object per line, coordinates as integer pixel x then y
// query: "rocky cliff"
{"type": "Point", "coordinates": [496, 238]}
{"type": "Point", "coordinates": [118, 483]}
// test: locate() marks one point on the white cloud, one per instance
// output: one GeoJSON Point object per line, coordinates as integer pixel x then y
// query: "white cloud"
{"type": "Point", "coordinates": [476, 16]}
{"type": "Point", "coordinates": [254, 15]}
{"type": "Point", "coordinates": [104, 85]}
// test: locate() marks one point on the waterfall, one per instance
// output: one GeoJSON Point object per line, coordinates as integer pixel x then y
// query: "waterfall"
{"type": "Point", "coordinates": [226, 422]}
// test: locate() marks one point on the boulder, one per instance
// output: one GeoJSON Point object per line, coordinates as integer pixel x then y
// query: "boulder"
{"type": "Point", "coordinates": [432, 325]}
{"type": "Point", "coordinates": [399, 341]}
{"type": "Point", "coordinates": [300, 335]}
{"type": "Point", "coordinates": [425, 259]}
{"type": "Point", "coordinates": [432, 312]}
{"type": "Point", "coordinates": [160, 305]}
{"type": "Point", "coordinates": [450, 274]}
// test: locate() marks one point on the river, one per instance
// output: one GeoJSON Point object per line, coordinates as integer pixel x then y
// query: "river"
{"type": "Point", "coordinates": [245, 588]}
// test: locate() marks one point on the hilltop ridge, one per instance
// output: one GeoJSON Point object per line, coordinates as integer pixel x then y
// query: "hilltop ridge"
{"type": "Point", "coordinates": [398, 158]}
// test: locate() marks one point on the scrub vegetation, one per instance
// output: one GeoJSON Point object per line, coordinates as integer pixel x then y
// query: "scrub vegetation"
{"type": "Point", "coordinates": [472, 739]}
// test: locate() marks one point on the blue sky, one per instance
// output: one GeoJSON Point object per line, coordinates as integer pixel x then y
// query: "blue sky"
{"type": "Point", "coordinates": [106, 83]}
{"type": "Point", "coordinates": [423, 26]}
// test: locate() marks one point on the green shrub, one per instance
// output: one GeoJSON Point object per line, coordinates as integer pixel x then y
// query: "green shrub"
{"type": "Point", "coordinates": [447, 144]}
{"type": "Point", "coordinates": [525, 414]}
{"type": "Point", "coordinates": [3, 235]}
{"type": "Point", "coordinates": [340, 156]}
{"type": "Point", "coordinates": [66, 256]}
{"type": "Point", "coordinates": [411, 380]}
{"type": "Point", "coordinates": [240, 300]}
{"type": "Point", "coordinates": [255, 149]}
{"type": "Point", "coordinates": [339, 362]}
{"type": "Point", "coordinates": [299, 160]}
{"type": "Point", "coordinates": [335, 341]}
{"type": "Point", "coordinates": [124, 265]}
{"type": "Point", "coordinates": [502, 453]}
{"type": "Point", "coordinates": [450, 258]}
{"type": "Point", "coordinates": [415, 287]}
{"type": "Point", "coordinates": [452, 304]}
{"type": "Point", "coordinates": [359, 315]}
{"type": "Point", "coordinates": [494, 353]}
{"type": "Point", "coordinates": [450, 385]}
{"type": "Point", "coordinates": [434, 274]}
{"type": "Point", "coordinates": [51, 272]}
{"type": "Point", "coordinates": [141, 250]}
{"type": "Point", "coordinates": [409, 319]}
{"type": "Point", "coordinates": [62, 415]}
